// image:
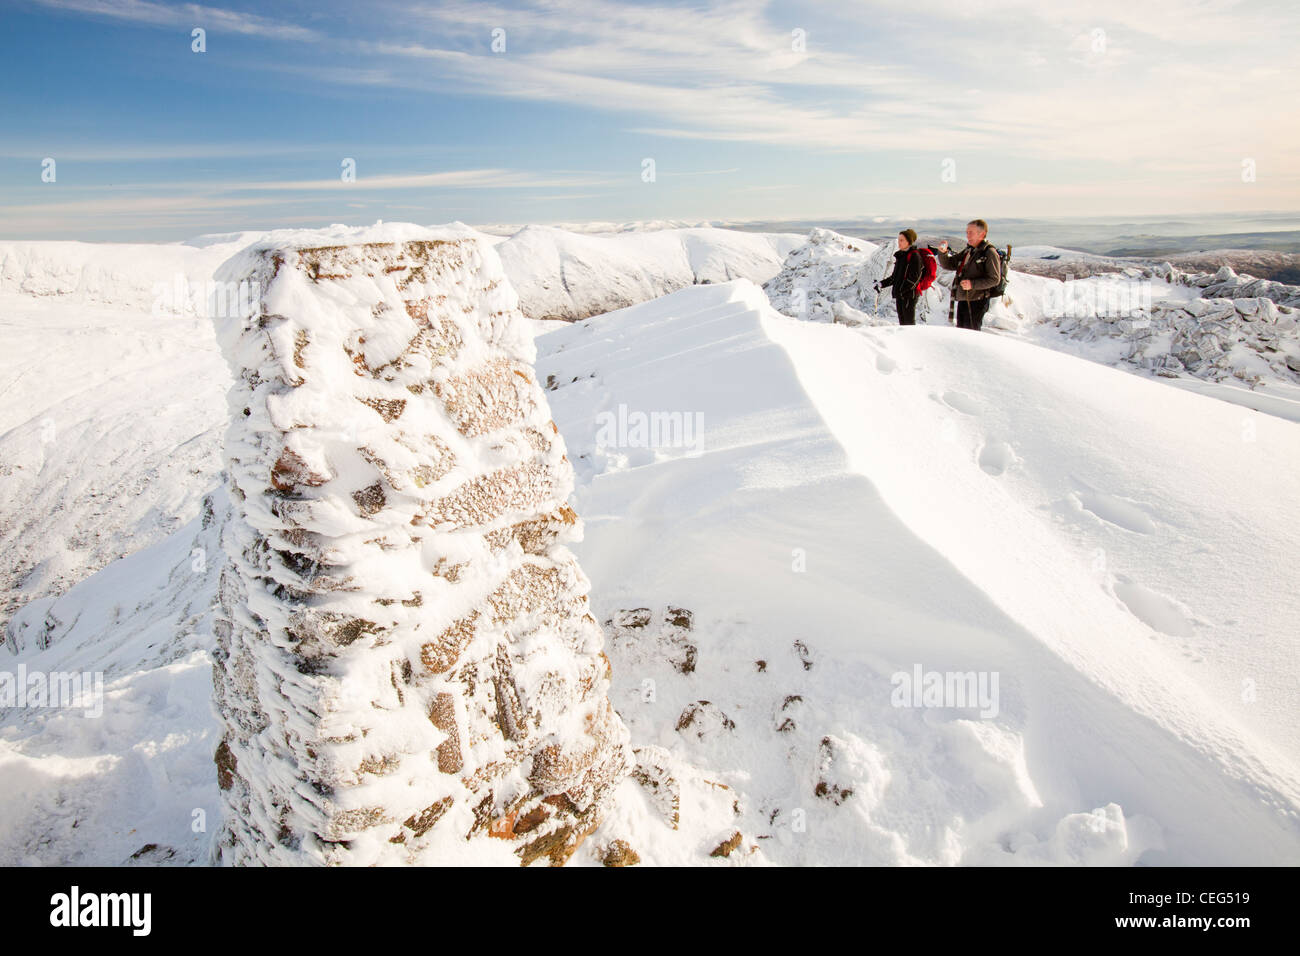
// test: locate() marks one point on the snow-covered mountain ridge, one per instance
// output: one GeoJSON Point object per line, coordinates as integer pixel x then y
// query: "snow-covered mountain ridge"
{"type": "Point", "coordinates": [558, 274]}
{"type": "Point", "coordinates": [860, 503]}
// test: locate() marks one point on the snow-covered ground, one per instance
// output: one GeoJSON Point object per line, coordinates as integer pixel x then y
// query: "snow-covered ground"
{"type": "Point", "coordinates": [81, 789]}
{"type": "Point", "coordinates": [112, 386]}
{"type": "Point", "coordinates": [839, 506]}
{"type": "Point", "coordinates": [863, 502]}
{"type": "Point", "coordinates": [110, 425]}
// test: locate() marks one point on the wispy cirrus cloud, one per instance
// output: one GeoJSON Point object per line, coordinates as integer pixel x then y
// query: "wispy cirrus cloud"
{"type": "Point", "coordinates": [188, 15]}
{"type": "Point", "coordinates": [850, 78]}
{"type": "Point", "coordinates": [1110, 100]}
{"type": "Point", "coordinates": [448, 180]}
{"type": "Point", "coordinates": [732, 72]}
{"type": "Point", "coordinates": [453, 179]}
{"type": "Point", "coordinates": [154, 202]}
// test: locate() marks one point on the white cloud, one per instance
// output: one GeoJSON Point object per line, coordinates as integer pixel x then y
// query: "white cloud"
{"type": "Point", "coordinates": [188, 15]}
{"type": "Point", "coordinates": [1193, 85]}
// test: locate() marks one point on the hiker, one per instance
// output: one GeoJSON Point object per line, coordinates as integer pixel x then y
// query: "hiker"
{"type": "Point", "coordinates": [913, 273]}
{"type": "Point", "coordinates": [979, 271]}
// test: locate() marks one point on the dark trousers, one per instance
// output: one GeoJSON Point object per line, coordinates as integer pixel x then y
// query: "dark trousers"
{"type": "Point", "coordinates": [906, 309]}
{"type": "Point", "coordinates": [970, 315]}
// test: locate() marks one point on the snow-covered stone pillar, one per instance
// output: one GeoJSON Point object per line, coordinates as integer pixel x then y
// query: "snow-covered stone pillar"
{"type": "Point", "coordinates": [406, 667]}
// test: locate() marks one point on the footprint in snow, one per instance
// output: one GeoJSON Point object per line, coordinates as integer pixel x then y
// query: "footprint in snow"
{"type": "Point", "coordinates": [1157, 611]}
{"type": "Point", "coordinates": [961, 402]}
{"type": "Point", "coordinates": [1121, 512]}
{"type": "Point", "coordinates": [996, 457]}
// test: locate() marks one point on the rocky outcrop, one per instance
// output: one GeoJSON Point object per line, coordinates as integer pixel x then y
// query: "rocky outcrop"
{"type": "Point", "coordinates": [406, 669]}
{"type": "Point", "coordinates": [1227, 284]}
{"type": "Point", "coordinates": [828, 269]}
{"type": "Point", "coordinates": [1252, 340]}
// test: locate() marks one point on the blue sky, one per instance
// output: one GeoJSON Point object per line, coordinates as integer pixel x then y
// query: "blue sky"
{"type": "Point", "coordinates": [749, 110]}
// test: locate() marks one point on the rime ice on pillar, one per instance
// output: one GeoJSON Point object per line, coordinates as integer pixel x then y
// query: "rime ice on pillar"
{"type": "Point", "coordinates": [406, 667]}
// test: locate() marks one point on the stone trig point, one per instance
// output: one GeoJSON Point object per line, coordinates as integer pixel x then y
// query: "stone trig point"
{"type": "Point", "coordinates": [406, 670]}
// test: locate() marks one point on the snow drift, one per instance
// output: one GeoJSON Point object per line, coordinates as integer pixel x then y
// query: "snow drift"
{"type": "Point", "coordinates": [869, 503]}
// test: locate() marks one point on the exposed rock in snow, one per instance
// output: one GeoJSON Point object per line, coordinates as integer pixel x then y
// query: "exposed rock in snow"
{"type": "Point", "coordinates": [406, 668]}
{"type": "Point", "coordinates": [827, 269]}
{"type": "Point", "coordinates": [1226, 283]}
{"type": "Point", "coordinates": [1251, 340]}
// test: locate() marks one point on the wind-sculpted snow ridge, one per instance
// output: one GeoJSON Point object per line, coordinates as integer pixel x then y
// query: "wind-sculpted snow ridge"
{"type": "Point", "coordinates": [922, 596]}
{"type": "Point", "coordinates": [406, 669]}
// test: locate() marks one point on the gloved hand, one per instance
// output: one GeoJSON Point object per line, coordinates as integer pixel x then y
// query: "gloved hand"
{"type": "Point", "coordinates": [877, 285]}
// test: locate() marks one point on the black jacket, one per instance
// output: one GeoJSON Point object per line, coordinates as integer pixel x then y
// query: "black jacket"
{"type": "Point", "coordinates": [981, 264]}
{"type": "Point", "coordinates": [909, 267]}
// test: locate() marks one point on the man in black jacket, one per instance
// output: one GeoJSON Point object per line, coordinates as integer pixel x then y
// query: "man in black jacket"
{"type": "Point", "coordinates": [979, 270]}
{"type": "Point", "coordinates": [909, 267]}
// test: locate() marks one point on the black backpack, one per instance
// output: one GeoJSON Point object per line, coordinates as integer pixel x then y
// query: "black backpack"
{"type": "Point", "coordinates": [1001, 288]}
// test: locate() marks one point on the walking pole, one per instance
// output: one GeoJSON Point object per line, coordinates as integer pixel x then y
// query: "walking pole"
{"type": "Point", "coordinates": [952, 296]}
{"type": "Point", "coordinates": [952, 292]}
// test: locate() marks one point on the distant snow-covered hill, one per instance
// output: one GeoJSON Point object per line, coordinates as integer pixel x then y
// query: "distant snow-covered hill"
{"type": "Point", "coordinates": [564, 275]}
{"type": "Point", "coordinates": [557, 273]}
